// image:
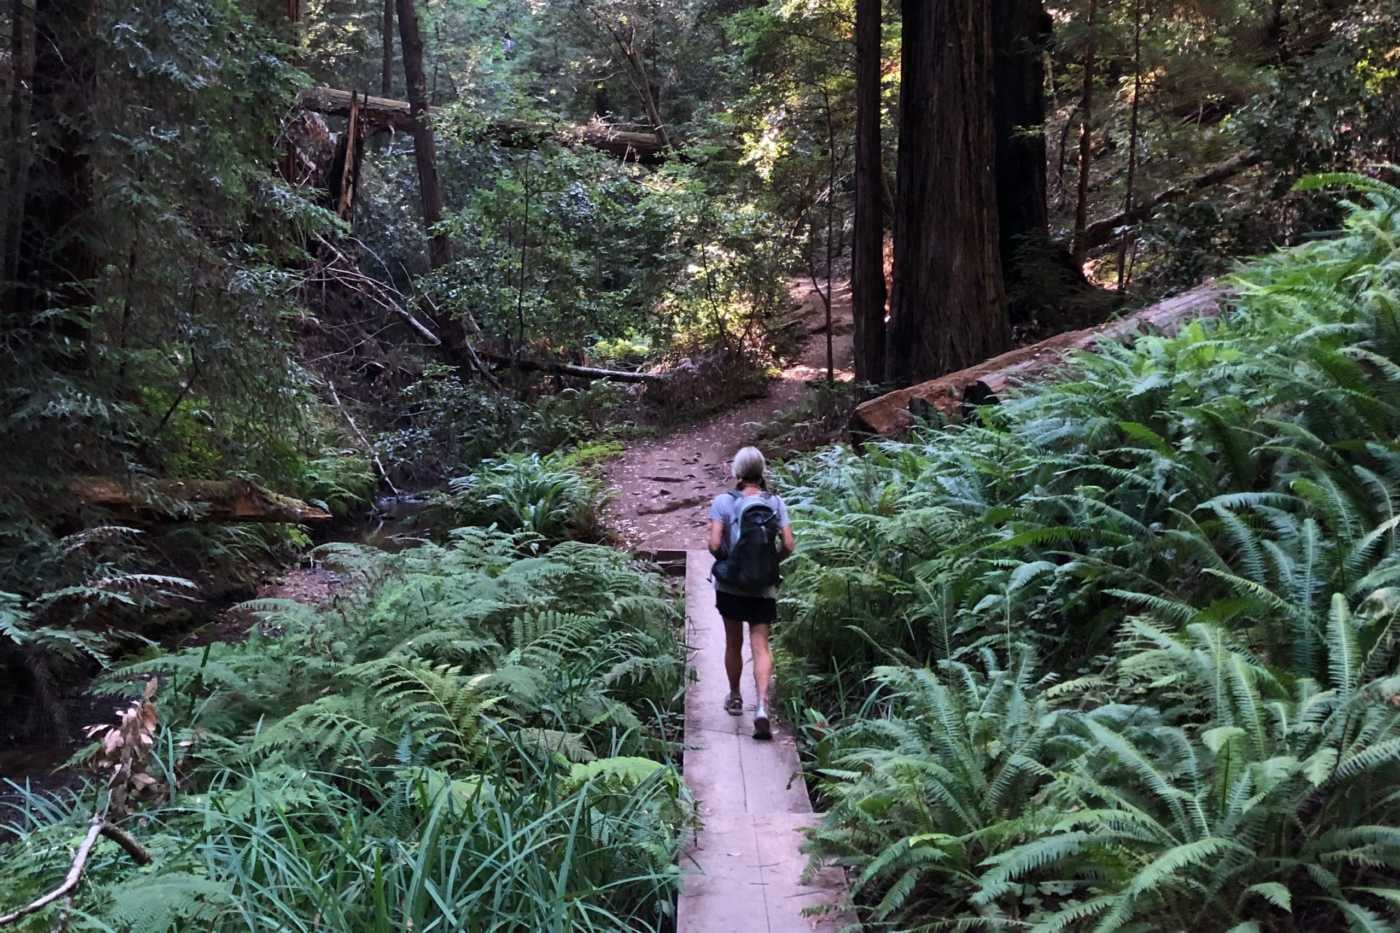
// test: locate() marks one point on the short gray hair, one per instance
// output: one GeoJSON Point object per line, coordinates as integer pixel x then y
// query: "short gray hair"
{"type": "Point", "coordinates": [748, 465]}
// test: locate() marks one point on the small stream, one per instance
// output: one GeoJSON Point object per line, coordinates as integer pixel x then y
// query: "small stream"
{"type": "Point", "coordinates": [394, 523]}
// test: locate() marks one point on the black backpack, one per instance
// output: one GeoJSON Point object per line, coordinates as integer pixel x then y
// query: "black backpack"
{"type": "Point", "coordinates": [751, 563]}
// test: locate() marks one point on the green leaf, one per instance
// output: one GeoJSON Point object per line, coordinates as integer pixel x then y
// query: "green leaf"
{"type": "Point", "coordinates": [1217, 738]}
{"type": "Point", "coordinates": [1273, 892]}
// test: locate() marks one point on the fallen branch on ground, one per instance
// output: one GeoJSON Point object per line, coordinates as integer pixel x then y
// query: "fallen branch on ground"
{"type": "Point", "coordinates": [97, 826]}
{"type": "Point", "coordinates": [360, 435]}
{"type": "Point", "coordinates": [345, 271]}
{"type": "Point", "coordinates": [989, 381]}
{"type": "Point", "coordinates": [568, 369]}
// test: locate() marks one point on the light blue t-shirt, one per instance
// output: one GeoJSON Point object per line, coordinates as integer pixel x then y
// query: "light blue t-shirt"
{"type": "Point", "coordinates": [724, 509]}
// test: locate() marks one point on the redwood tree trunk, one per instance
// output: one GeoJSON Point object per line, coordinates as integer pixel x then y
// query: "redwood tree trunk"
{"type": "Point", "coordinates": [949, 307]}
{"type": "Point", "coordinates": [868, 240]}
{"type": "Point", "coordinates": [1086, 139]}
{"type": "Point", "coordinates": [1019, 29]}
{"type": "Point", "coordinates": [57, 257]}
{"type": "Point", "coordinates": [17, 155]}
{"type": "Point", "coordinates": [386, 77]}
{"type": "Point", "coordinates": [424, 148]}
{"type": "Point", "coordinates": [1130, 186]}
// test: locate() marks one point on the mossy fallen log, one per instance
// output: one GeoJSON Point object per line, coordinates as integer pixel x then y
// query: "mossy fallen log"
{"type": "Point", "coordinates": [215, 501]}
{"type": "Point", "coordinates": [987, 382]}
{"type": "Point", "coordinates": [381, 113]}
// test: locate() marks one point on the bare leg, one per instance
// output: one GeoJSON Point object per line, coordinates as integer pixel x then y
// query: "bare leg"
{"type": "Point", "coordinates": [734, 652]}
{"type": "Point", "coordinates": [762, 662]}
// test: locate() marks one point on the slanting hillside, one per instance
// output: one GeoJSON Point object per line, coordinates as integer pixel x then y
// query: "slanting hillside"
{"type": "Point", "coordinates": [1124, 655]}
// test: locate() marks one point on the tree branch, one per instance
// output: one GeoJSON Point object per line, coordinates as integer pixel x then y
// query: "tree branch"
{"type": "Point", "coordinates": [75, 874]}
{"type": "Point", "coordinates": [1101, 232]}
{"type": "Point", "coordinates": [568, 369]}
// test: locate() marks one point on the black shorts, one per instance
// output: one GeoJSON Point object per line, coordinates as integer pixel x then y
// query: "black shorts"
{"type": "Point", "coordinates": [755, 610]}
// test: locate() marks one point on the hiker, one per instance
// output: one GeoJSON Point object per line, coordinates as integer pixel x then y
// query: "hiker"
{"type": "Point", "coordinates": [749, 534]}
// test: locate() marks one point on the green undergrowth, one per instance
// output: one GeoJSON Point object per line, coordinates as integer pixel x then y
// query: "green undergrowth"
{"type": "Point", "coordinates": [553, 497]}
{"type": "Point", "coordinates": [463, 738]}
{"type": "Point", "coordinates": [1121, 655]}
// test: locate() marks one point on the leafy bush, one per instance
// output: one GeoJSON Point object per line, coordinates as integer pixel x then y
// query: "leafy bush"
{"type": "Point", "coordinates": [339, 480]}
{"type": "Point", "coordinates": [464, 736]}
{"type": "Point", "coordinates": [1195, 537]}
{"type": "Point", "coordinates": [443, 423]}
{"type": "Point", "coordinates": [526, 492]}
{"type": "Point", "coordinates": [573, 416]}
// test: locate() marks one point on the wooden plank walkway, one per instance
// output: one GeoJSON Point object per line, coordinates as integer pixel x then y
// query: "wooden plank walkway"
{"type": "Point", "coordinates": [743, 869]}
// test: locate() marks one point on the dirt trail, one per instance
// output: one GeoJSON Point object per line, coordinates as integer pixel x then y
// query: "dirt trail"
{"type": "Point", "coordinates": [662, 486]}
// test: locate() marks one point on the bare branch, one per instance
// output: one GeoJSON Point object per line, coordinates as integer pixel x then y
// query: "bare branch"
{"type": "Point", "coordinates": [70, 883]}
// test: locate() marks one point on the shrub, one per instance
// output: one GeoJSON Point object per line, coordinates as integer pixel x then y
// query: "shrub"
{"type": "Point", "coordinates": [526, 492]}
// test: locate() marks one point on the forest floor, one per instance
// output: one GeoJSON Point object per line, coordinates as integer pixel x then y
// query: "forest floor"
{"type": "Point", "coordinates": [661, 486]}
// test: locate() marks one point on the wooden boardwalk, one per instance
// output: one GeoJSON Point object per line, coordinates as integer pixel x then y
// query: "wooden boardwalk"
{"type": "Point", "coordinates": [743, 871]}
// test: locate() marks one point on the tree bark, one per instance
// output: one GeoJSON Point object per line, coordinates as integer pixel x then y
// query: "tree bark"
{"type": "Point", "coordinates": [57, 256]}
{"type": "Point", "coordinates": [949, 305]}
{"type": "Point", "coordinates": [647, 92]}
{"type": "Point", "coordinates": [1020, 29]}
{"type": "Point", "coordinates": [346, 181]}
{"type": "Point", "coordinates": [424, 147]}
{"type": "Point", "coordinates": [386, 74]}
{"type": "Point", "coordinates": [1133, 117]}
{"type": "Point", "coordinates": [868, 240]}
{"type": "Point", "coordinates": [625, 38]}
{"type": "Point", "coordinates": [1086, 139]}
{"type": "Point", "coordinates": [17, 157]}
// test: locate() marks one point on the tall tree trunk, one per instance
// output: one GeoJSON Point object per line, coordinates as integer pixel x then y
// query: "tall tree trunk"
{"type": "Point", "coordinates": [1129, 195]}
{"type": "Point", "coordinates": [386, 74]}
{"type": "Point", "coordinates": [1086, 139]}
{"type": "Point", "coordinates": [1020, 29]}
{"type": "Point", "coordinates": [949, 307]}
{"type": "Point", "coordinates": [57, 254]}
{"type": "Point", "coordinates": [830, 230]}
{"type": "Point", "coordinates": [868, 240]}
{"type": "Point", "coordinates": [17, 156]}
{"type": "Point", "coordinates": [626, 40]}
{"type": "Point", "coordinates": [424, 148]}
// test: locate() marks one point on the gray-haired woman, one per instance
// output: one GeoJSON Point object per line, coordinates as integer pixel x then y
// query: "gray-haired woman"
{"type": "Point", "coordinates": [759, 610]}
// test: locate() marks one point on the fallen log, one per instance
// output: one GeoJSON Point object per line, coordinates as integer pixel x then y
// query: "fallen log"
{"type": "Point", "coordinates": [569, 369]}
{"type": "Point", "coordinates": [384, 113]}
{"type": "Point", "coordinates": [988, 382]}
{"type": "Point", "coordinates": [193, 501]}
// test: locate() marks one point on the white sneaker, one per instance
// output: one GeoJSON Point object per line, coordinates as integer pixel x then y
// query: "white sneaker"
{"type": "Point", "coordinates": [761, 729]}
